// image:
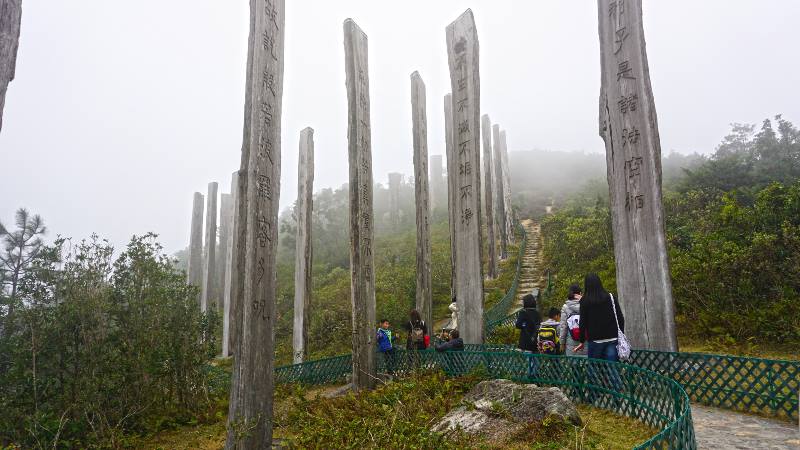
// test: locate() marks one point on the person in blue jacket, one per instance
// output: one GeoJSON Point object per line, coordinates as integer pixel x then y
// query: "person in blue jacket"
{"type": "Point", "coordinates": [386, 345]}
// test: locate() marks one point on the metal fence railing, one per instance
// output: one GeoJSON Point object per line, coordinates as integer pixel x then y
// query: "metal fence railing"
{"type": "Point", "coordinates": [642, 394]}
{"type": "Point", "coordinates": [755, 385]}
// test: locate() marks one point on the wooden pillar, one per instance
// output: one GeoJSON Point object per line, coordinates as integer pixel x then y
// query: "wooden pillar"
{"type": "Point", "coordinates": [194, 269]}
{"type": "Point", "coordinates": [395, 180]}
{"type": "Point", "coordinates": [359, 144]}
{"type": "Point", "coordinates": [10, 19]}
{"type": "Point", "coordinates": [209, 251]}
{"type": "Point", "coordinates": [629, 127]}
{"type": "Point", "coordinates": [509, 216]}
{"type": "Point", "coordinates": [462, 51]}
{"type": "Point", "coordinates": [437, 182]}
{"type": "Point", "coordinates": [250, 417]}
{"type": "Point", "coordinates": [452, 189]}
{"type": "Point", "coordinates": [499, 190]}
{"type": "Point", "coordinates": [231, 274]}
{"type": "Point", "coordinates": [488, 184]}
{"type": "Point", "coordinates": [225, 222]}
{"type": "Point", "coordinates": [419, 120]}
{"type": "Point", "coordinates": [303, 251]}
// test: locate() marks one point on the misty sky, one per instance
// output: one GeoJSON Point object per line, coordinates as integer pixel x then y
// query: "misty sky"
{"type": "Point", "coordinates": [121, 110]}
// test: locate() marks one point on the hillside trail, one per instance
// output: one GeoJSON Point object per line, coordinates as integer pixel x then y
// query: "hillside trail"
{"type": "Point", "coordinates": [714, 428]}
{"type": "Point", "coordinates": [531, 275]}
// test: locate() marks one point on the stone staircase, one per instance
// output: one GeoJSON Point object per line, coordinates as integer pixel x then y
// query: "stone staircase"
{"type": "Point", "coordinates": [531, 275]}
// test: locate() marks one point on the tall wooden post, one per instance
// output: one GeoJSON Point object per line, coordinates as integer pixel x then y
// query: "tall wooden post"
{"type": "Point", "coordinates": [359, 144]}
{"type": "Point", "coordinates": [488, 186]}
{"type": "Point", "coordinates": [231, 274]}
{"type": "Point", "coordinates": [452, 188]}
{"type": "Point", "coordinates": [509, 216]}
{"type": "Point", "coordinates": [225, 223]}
{"type": "Point", "coordinates": [236, 288]}
{"type": "Point", "coordinates": [395, 180]}
{"type": "Point", "coordinates": [462, 52]}
{"type": "Point", "coordinates": [250, 417]}
{"type": "Point", "coordinates": [437, 182]}
{"type": "Point", "coordinates": [10, 19]}
{"type": "Point", "coordinates": [629, 127]}
{"type": "Point", "coordinates": [209, 252]}
{"type": "Point", "coordinates": [499, 197]}
{"type": "Point", "coordinates": [194, 270]}
{"type": "Point", "coordinates": [419, 120]}
{"type": "Point", "coordinates": [303, 251]}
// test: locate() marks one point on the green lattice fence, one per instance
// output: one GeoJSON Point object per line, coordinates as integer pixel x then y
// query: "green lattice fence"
{"type": "Point", "coordinates": [763, 386]}
{"type": "Point", "coordinates": [633, 391]}
{"type": "Point", "coordinates": [320, 371]}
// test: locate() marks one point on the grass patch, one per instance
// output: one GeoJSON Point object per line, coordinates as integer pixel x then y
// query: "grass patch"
{"type": "Point", "coordinates": [400, 415]}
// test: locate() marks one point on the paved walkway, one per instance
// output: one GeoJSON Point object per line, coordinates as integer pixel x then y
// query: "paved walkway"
{"type": "Point", "coordinates": [721, 429]}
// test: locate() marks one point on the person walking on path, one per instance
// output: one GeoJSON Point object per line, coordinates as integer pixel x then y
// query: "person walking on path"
{"type": "Point", "coordinates": [528, 320]}
{"type": "Point", "coordinates": [597, 322]}
{"type": "Point", "coordinates": [569, 327]}
{"type": "Point", "coordinates": [386, 345]}
{"type": "Point", "coordinates": [417, 329]}
{"type": "Point", "coordinates": [548, 340]}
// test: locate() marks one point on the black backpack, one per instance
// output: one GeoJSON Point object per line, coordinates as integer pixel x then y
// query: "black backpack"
{"type": "Point", "coordinates": [418, 333]}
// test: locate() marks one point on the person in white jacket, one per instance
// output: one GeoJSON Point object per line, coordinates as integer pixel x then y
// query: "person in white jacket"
{"type": "Point", "coordinates": [454, 315]}
{"type": "Point", "coordinates": [570, 317]}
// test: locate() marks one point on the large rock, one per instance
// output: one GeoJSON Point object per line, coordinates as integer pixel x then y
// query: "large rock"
{"type": "Point", "coordinates": [499, 408]}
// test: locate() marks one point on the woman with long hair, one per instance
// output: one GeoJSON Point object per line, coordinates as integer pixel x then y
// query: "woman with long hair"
{"type": "Point", "coordinates": [417, 330]}
{"type": "Point", "coordinates": [597, 323]}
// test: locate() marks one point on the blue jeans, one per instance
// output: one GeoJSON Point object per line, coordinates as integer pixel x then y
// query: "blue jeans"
{"type": "Point", "coordinates": [603, 376]}
{"type": "Point", "coordinates": [603, 350]}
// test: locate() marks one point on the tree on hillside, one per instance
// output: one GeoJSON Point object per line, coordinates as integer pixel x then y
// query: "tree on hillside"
{"type": "Point", "coordinates": [20, 246]}
{"type": "Point", "coordinates": [746, 158]}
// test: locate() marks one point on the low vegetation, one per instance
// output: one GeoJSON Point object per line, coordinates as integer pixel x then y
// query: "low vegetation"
{"type": "Point", "coordinates": [400, 415]}
{"type": "Point", "coordinates": [733, 236]}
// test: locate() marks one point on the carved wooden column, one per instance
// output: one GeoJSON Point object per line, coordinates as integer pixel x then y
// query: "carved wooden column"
{"type": "Point", "coordinates": [462, 52]}
{"type": "Point", "coordinates": [629, 128]}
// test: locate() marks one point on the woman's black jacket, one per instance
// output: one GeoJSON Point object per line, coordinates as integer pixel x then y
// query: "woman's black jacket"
{"type": "Point", "coordinates": [597, 320]}
{"type": "Point", "coordinates": [528, 320]}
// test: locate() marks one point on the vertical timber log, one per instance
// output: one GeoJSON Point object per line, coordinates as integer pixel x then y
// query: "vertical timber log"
{"type": "Point", "coordinates": [359, 145]}
{"type": "Point", "coordinates": [437, 182]}
{"type": "Point", "coordinates": [488, 184]}
{"type": "Point", "coordinates": [250, 420]}
{"type": "Point", "coordinates": [462, 52]}
{"type": "Point", "coordinates": [395, 180]}
{"type": "Point", "coordinates": [231, 274]}
{"type": "Point", "coordinates": [194, 269]}
{"type": "Point", "coordinates": [225, 216]}
{"type": "Point", "coordinates": [499, 197]}
{"type": "Point", "coordinates": [10, 21]}
{"type": "Point", "coordinates": [238, 263]}
{"type": "Point", "coordinates": [629, 127]}
{"type": "Point", "coordinates": [509, 216]}
{"type": "Point", "coordinates": [303, 251]}
{"type": "Point", "coordinates": [210, 249]}
{"type": "Point", "coordinates": [452, 189]}
{"type": "Point", "coordinates": [419, 120]}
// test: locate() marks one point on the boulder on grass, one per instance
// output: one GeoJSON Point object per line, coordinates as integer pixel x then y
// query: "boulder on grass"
{"type": "Point", "coordinates": [499, 408]}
